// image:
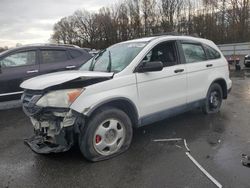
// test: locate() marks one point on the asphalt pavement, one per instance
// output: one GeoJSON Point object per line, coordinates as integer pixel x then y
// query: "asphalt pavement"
{"type": "Point", "coordinates": [216, 142]}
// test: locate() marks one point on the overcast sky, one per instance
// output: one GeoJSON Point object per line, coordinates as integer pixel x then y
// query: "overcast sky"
{"type": "Point", "coordinates": [31, 21]}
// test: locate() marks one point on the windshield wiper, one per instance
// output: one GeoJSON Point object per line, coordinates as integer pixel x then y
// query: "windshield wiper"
{"type": "Point", "coordinates": [109, 68]}
{"type": "Point", "coordinates": [93, 62]}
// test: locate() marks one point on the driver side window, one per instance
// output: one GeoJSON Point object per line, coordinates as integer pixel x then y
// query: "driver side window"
{"type": "Point", "coordinates": [164, 52]}
{"type": "Point", "coordinates": [19, 59]}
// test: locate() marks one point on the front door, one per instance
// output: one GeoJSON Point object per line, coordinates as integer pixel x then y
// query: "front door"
{"type": "Point", "coordinates": [161, 91]}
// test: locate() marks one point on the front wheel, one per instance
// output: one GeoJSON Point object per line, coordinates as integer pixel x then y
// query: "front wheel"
{"type": "Point", "coordinates": [107, 134]}
{"type": "Point", "coordinates": [214, 99]}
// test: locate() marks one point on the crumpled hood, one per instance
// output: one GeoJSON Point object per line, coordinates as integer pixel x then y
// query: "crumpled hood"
{"type": "Point", "coordinates": [53, 79]}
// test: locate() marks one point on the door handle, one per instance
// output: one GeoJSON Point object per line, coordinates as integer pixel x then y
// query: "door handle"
{"type": "Point", "coordinates": [178, 70]}
{"type": "Point", "coordinates": [70, 67]}
{"type": "Point", "coordinates": [32, 71]}
{"type": "Point", "coordinates": [209, 65]}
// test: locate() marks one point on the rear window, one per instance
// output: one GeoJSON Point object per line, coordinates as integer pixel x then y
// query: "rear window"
{"type": "Point", "coordinates": [54, 56]}
{"type": "Point", "coordinates": [211, 53]}
{"type": "Point", "coordinates": [75, 53]}
{"type": "Point", "coordinates": [193, 52]}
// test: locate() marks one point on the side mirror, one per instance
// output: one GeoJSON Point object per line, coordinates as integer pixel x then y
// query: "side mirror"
{"type": "Point", "coordinates": [151, 66]}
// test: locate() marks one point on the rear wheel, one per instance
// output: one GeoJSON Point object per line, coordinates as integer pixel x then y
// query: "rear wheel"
{"type": "Point", "coordinates": [214, 99]}
{"type": "Point", "coordinates": [107, 134]}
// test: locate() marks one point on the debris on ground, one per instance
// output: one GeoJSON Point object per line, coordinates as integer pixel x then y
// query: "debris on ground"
{"type": "Point", "coordinates": [203, 170]}
{"type": "Point", "coordinates": [192, 159]}
{"type": "Point", "coordinates": [214, 138]}
{"type": "Point", "coordinates": [168, 140]}
{"type": "Point", "coordinates": [245, 160]}
{"type": "Point", "coordinates": [178, 146]}
{"type": "Point", "coordinates": [185, 143]}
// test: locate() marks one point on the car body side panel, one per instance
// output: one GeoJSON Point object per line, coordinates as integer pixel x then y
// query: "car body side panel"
{"type": "Point", "coordinates": [197, 77]}
{"type": "Point", "coordinates": [162, 90]}
{"type": "Point", "coordinates": [123, 87]}
{"type": "Point", "coordinates": [219, 73]}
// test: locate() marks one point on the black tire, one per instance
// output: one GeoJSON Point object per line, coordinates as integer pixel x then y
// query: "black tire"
{"type": "Point", "coordinates": [214, 99]}
{"type": "Point", "coordinates": [87, 134]}
{"type": "Point", "coordinates": [247, 65]}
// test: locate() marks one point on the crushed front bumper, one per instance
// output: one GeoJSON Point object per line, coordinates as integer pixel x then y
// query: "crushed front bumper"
{"type": "Point", "coordinates": [54, 131]}
{"type": "Point", "coordinates": [39, 145]}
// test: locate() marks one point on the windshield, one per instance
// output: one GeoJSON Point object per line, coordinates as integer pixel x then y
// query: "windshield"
{"type": "Point", "coordinates": [114, 58]}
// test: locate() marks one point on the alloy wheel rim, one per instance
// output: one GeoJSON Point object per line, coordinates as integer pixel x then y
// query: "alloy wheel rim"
{"type": "Point", "coordinates": [109, 137]}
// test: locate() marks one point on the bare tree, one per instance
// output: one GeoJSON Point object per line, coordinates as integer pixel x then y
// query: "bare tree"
{"type": "Point", "coordinates": [170, 10]}
{"type": "Point", "coordinates": [219, 20]}
{"type": "Point", "coordinates": [148, 15]}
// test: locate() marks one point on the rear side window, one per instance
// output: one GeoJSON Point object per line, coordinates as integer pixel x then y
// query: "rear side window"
{"type": "Point", "coordinates": [75, 53]}
{"type": "Point", "coordinates": [54, 56]}
{"type": "Point", "coordinates": [193, 52]}
{"type": "Point", "coordinates": [211, 53]}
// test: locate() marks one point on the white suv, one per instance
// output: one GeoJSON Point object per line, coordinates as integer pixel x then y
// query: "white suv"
{"type": "Point", "coordinates": [125, 86]}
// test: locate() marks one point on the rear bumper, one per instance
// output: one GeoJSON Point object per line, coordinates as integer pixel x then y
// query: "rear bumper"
{"type": "Point", "coordinates": [229, 84]}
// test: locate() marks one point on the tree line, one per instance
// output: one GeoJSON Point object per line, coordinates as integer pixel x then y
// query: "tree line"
{"type": "Point", "coordinates": [3, 49]}
{"type": "Point", "coordinates": [223, 21]}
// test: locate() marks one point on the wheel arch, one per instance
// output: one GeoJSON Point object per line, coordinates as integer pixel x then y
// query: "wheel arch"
{"type": "Point", "coordinates": [223, 85]}
{"type": "Point", "coordinates": [121, 103]}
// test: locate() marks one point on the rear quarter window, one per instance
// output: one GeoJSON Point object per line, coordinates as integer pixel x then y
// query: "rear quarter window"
{"type": "Point", "coordinates": [75, 53]}
{"type": "Point", "coordinates": [211, 52]}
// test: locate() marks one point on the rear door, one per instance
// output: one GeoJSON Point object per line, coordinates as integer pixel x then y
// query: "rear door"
{"type": "Point", "coordinates": [15, 68]}
{"type": "Point", "coordinates": [54, 59]}
{"type": "Point", "coordinates": [162, 90]}
{"type": "Point", "coordinates": [197, 70]}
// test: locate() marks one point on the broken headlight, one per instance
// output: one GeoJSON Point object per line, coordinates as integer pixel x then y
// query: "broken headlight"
{"type": "Point", "coordinates": [60, 98]}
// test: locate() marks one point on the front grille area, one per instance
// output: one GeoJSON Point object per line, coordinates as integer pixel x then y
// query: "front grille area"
{"type": "Point", "coordinates": [29, 99]}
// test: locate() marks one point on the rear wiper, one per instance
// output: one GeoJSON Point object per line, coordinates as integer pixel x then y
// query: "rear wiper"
{"type": "Point", "coordinates": [93, 62]}
{"type": "Point", "coordinates": [110, 63]}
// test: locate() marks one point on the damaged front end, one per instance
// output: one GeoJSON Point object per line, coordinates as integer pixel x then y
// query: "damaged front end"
{"type": "Point", "coordinates": [55, 128]}
{"type": "Point", "coordinates": [47, 100]}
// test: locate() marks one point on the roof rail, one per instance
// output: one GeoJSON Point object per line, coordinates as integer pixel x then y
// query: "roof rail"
{"type": "Point", "coordinates": [166, 33]}
{"type": "Point", "coordinates": [51, 44]}
{"type": "Point", "coordinates": [174, 34]}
